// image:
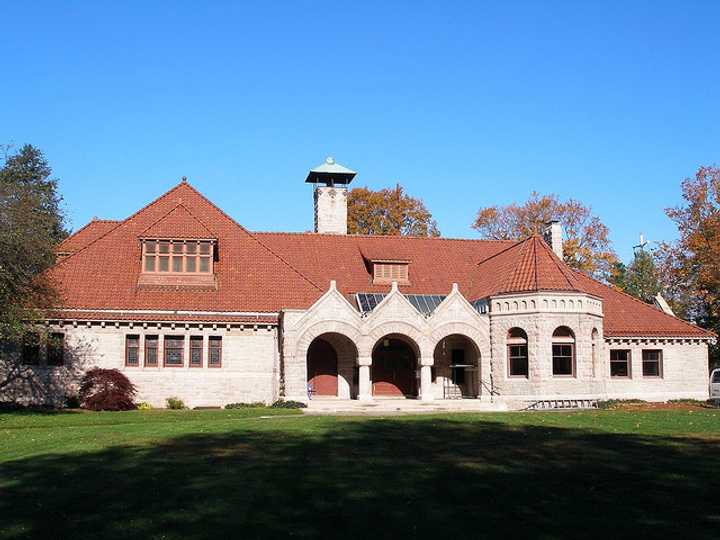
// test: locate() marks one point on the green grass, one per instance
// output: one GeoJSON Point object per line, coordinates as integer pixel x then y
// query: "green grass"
{"type": "Point", "coordinates": [233, 474]}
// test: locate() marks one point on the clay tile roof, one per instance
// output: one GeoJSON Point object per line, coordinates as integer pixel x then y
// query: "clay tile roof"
{"type": "Point", "coordinates": [178, 223]}
{"type": "Point", "coordinates": [83, 236]}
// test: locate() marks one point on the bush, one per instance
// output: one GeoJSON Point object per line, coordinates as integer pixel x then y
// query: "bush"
{"type": "Point", "coordinates": [252, 405]}
{"type": "Point", "coordinates": [72, 402]}
{"type": "Point", "coordinates": [106, 390]}
{"type": "Point", "coordinates": [282, 404]}
{"type": "Point", "coordinates": [144, 406]}
{"type": "Point", "coordinates": [175, 403]}
{"type": "Point", "coordinates": [619, 403]}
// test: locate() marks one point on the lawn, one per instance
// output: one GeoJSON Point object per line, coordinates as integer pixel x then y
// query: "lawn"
{"type": "Point", "coordinates": [274, 474]}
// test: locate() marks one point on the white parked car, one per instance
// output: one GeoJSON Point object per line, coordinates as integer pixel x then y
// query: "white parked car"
{"type": "Point", "coordinates": [715, 384]}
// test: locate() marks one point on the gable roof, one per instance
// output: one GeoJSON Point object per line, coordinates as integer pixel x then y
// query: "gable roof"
{"type": "Point", "coordinates": [267, 272]}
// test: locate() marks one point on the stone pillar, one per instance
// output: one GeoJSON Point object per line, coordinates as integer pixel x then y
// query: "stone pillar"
{"type": "Point", "coordinates": [426, 392]}
{"type": "Point", "coordinates": [364, 382]}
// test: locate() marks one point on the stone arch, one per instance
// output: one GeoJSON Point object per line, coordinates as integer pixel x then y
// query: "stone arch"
{"type": "Point", "coordinates": [395, 364]}
{"type": "Point", "coordinates": [325, 327]}
{"type": "Point", "coordinates": [401, 328]}
{"type": "Point", "coordinates": [456, 367]}
{"type": "Point", "coordinates": [330, 366]}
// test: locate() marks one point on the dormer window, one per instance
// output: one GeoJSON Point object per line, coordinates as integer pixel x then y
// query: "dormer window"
{"type": "Point", "coordinates": [177, 262]}
{"type": "Point", "coordinates": [389, 271]}
{"type": "Point", "coordinates": [178, 256]}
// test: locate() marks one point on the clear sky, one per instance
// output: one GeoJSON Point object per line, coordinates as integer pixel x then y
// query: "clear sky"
{"type": "Point", "coordinates": [466, 104]}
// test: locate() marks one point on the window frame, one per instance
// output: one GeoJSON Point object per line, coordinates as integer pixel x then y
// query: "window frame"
{"type": "Point", "coordinates": [55, 346]}
{"type": "Point", "coordinates": [195, 339]}
{"type": "Point", "coordinates": [174, 338]}
{"type": "Point", "coordinates": [659, 362]}
{"type": "Point", "coordinates": [172, 254]}
{"type": "Point", "coordinates": [510, 357]}
{"type": "Point", "coordinates": [560, 340]}
{"type": "Point", "coordinates": [628, 362]}
{"type": "Point", "coordinates": [27, 346]}
{"type": "Point", "coordinates": [389, 271]}
{"type": "Point", "coordinates": [147, 341]}
{"type": "Point", "coordinates": [219, 348]}
{"type": "Point", "coordinates": [129, 337]}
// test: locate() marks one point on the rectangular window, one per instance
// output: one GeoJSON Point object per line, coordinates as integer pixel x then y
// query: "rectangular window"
{"type": "Point", "coordinates": [388, 272]}
{"type": "Point", "coordinates": [652, 363]}
{"type": "Point", "coordinates": [30, 355]}
{"type": "Point", "coordinates": [56, 349]}
{"type": "Point", "coordinates": [215, 351]}
{"type": "Point", "coordinates": [563, 359]}
{"type": "Point", "coordinates": [177, 256]}
{"type": "Point", "coordinates": [132, 351]}
{"type": "Point", "coordinates": [620, 363]}
{"type": "Point", "coordinates": [518, 360]}
{"type": "Point", "coordinates": [174, 346]}
{"type": "Point", "coordinates": [196, 351]}
{"type": "Point", "coordinates": [151, 351]}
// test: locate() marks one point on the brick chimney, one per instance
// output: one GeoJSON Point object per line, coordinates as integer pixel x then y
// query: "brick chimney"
{"type": "Point", "coordinates": [553, 237]}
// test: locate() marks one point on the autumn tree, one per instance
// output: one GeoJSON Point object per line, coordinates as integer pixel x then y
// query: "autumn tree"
{"type": "Point", "coordinates": [689, 267]}
{"type": "Point", "coordinates": [388, 212]}
{"type": "Point", "coordinates": [31, 225]}
{"type": "Point", "coordinates": [586, 244]}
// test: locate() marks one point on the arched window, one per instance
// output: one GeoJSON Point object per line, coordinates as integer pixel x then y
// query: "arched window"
{"type": "Point", "coordinates": [563, 352]}
{"type": "Point", "coordinates": [594, 341]}
{"type": "Point", "coordinates": [517, 347]}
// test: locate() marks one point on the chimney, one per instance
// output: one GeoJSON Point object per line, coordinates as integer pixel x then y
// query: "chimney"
{"type": "Point", "coordinates": [553, 236]}
{"type": "Point", "coordinates": [330, 195]}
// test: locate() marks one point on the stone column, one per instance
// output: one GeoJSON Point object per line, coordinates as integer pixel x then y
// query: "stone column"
{"type": "Point", "coordinates": [364, 382]}
{"type": "Point", "coordinates": [426, 393]}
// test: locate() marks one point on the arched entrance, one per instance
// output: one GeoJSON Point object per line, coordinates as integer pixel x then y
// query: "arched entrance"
{"type": "Point", "coordinates": [322, 369]}
{"type": "Point", "coordinates": [456, 375]}
{"type": "Point", "coordinates": [394, 367]}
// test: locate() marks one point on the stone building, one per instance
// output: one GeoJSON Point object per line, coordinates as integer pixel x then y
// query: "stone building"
{"type": "Point", "coordinates": [188, 303]}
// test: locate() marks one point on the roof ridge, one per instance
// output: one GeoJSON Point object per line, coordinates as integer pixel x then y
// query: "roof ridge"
{"type": "Point", "coordinates": [561, 265]}
{"type": "Point", "coordinates": [637, 300]}
{"type": "Point", "coordinates": [516, 243]}
{"type": "Point", "coordinates": [384, 236]}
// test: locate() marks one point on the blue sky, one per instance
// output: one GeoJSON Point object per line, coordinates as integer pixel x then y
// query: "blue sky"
{"type": "Point", "coordinates": [466, 104]}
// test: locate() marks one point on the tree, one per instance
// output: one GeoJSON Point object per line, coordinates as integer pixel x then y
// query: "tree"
{"type": "Point", "coordinates": [640, 279]}
{"type": "Point", "coordinates": [388, 212]}
{"type": "Point", "coordinates": [31, 225]}
{"type": "Point", "coordinates": [586, 245]}
{"type": "Point", "coordinates": [689, 266]}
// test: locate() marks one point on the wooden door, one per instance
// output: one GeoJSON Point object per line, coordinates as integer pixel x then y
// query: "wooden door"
{"type": "Point", "coordinates": [322, 370]}
{"type": "Point", "coordinates": [393, 370]}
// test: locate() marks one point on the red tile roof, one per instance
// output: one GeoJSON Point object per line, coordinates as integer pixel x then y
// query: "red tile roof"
{"type": "Point", "coordinates": [267, 272]}
{"type": "Point", "coordinates": [150, 317]}
{"type": "Point", "coordinates": [83, 236]}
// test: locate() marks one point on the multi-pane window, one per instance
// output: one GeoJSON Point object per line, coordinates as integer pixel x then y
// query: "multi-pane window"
{"type": "Point", "coordinates": [177, 256]}
{"type": "Point", "coordinates": [619, 363]}
{"type": "Point", "coordinates": [174, 346]}
{"type": "Point", "coordinates": [196, 351]}
{"type": "Point", "coordinates": [151, 351]}
{"type": "Point", "coordinates": [30, 353]}
{"type": "Point", "coordinates": [517, 353]}
{"type": "Point", "coordinates": [388, 272]}
{"type": "Point", "coordinates": [132, 351]}
{"type": "Point", "coordinates": [563, 352]}
{"type": "Point", "coordinates": [56, 349]}
{"type": "Point", "coordinates": [215, 351]}
{"type": "Point", "coordinates": [652, 363]}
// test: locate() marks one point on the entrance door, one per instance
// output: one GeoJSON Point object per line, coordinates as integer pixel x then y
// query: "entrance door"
{"type": "Point", "coordinates": [322, 369]}
{"type": "Point", "coordinates": [393, 370]}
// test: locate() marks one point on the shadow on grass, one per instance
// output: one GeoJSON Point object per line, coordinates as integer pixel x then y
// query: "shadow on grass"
{"type": "Point", "coordinates": [382, 478]}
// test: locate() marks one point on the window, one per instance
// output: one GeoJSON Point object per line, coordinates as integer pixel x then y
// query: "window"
{"type": "Point", "coordinates": [196, 351]}
{"type": "Point", "coordinates": [594, 339]}
{"type": "Point", "coordinates": [174, 351]}
{"type": "Point", "coordinates": [30, 354]}
{"type": "Point", "coordinates": [517, 344]}
{"type": "Point", "coordinates": [132, 351]}
{"type": "Point", "coordinates": [652, 363]}
{"type": "Point", "coordinates": [387, 272]}
{"type": "Point", "coordinates": [457, 359]}
{"type": "Point", "coordinates": [716, 377]}
{"type": "Point", "coordinates": [56, 349]}
{"type": "Point", "coordinates": [620, 363]}
{"type": "Point", "coordinates": [563, 352]}
{"type": "Point", "coordinates": [151, 351]}
{"type": "Point", "coordinates": [177, 256]}
{"type": "Point", "coordinates": [215, 351]}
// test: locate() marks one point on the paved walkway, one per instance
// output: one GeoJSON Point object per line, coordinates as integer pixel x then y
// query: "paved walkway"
{"type": "Point", "coordinates": [400, 406]}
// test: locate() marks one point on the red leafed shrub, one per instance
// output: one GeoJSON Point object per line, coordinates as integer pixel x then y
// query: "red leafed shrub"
{"type": "Point", "coordinates": [106, 390]}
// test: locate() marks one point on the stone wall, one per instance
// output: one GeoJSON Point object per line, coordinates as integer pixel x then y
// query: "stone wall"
{"type": "Point", "coordinates": [331, 210]}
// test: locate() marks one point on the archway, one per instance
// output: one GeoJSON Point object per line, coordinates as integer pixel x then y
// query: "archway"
{"type": "Point", "coordinates": [322, 369]}
{"type": "Point", "coordinates": [456, 368]}
{"type": "Point", "coordinates": [394, 367]}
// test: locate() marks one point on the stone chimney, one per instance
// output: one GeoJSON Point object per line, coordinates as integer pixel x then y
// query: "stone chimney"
{"type": "Point", "coordinates": [553, 237]}
{"type": "Point", "coordinates": [330, 195]}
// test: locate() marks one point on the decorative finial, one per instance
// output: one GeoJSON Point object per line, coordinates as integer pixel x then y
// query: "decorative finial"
{"type": "Point", "coordinates": [183, 180]}
{"type": "Point", "coordinates": [330, 160]}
